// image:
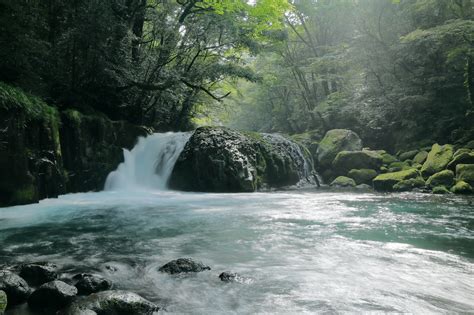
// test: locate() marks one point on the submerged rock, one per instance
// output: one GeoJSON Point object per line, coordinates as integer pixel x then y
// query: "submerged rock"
{"type": "Point", "coordinates": [3, 302]}
{"type": "Point", "coordinates": [335, 141]}
{"type": "Point", "coordinates": [38, 273]}
{"type": "Point", "coordinates": [89, 283]}
{"type": "Point", "coordinates": [53, 295]}
{"type": "Point", "coordinates": [386, 182]}
{"type": "Point", "coordinates": [182, 265]}
{"type": "Point", "coordinates": [343, 181]}
{"type": "Point", "coordinates": [112, 303]}
{"type": "Point", "coordinates": [437, 160]}
{"type": "Point", "coordinates": [15, 287]}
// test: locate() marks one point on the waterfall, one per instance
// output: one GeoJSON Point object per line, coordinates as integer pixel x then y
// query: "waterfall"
{"type": "Point", "coordinates": [149, 164]}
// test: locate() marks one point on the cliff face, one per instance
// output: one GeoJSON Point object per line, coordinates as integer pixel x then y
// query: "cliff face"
{"type": "Point", "coordinates": [44, 153]}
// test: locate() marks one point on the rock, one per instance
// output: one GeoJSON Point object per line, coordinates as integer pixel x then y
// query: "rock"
{"type": "Point", "coordinates": [228, 276]}
{"type": "Point", "coordinates": [335, 141]}
{"type": "Point", "coordinates": [15, 287]}
{"type": "Point", "coordinates": [460, 151]}
{"type": "Point", "coordinates": [461, 158]}
{"type": "Point", "coordinates": [364, 187]}
{"type": "Point", "coordinates": [408, 155]}
{"type": "Point", "coordinates": [3, 302]}
{"type": "Point", "coordinates": [437, 160]}
{"type": "Point", "coordinates": [112, 303]}
{"type": "Point", "coordinates": [89, 283]}
{"type": "Point", "coordinates": [183, 265]}
{"type": "Point", "coordinates": [420, 157]}
{"type": "Point", "coordinates": [470, 145]}
{"type": "Point", "coordinates": [388, 158]}
{"type": "Point", "coordinates": [362, 176]}
{"type": "Point", "coordinates": [348, 160]}
{"type": "Point", "coordinates": [386, 182]}
{"type": "Point", "coordinates": [462, 188]}
{"type": "Point", "coordinates": [465, 172]}
{"type": "Point", "coordinates": [440, 190]}
{"type": "Point", "coordinates": [443, 178]}
{"type": "Point", "coordinates": [38, 273]}
{"type": "Point", "coordinates": [218, 159]}
{"type": "Point", "coordinates": [399, 166]}
{"type": "Point", "coordinates": [409, 184]}
{"type": "Point", "coordinates": [53, 295]}
{"type": "Point", "coordinates": [343, 181]}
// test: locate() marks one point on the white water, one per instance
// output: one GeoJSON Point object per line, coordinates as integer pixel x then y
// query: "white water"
{"type": "Point", "coordinates": [149, 164]}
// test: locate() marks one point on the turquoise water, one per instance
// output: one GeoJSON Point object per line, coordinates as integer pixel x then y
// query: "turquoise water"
{"type": "Point", "coordinates": [298, 251]}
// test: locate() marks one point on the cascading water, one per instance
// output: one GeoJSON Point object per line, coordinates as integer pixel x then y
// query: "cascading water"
{"type": "Point", "coordinates": [149, 164]}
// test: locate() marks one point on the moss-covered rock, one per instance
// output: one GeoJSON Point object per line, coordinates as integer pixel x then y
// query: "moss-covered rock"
{"type": "Point", "coordinates": [460, 151]}
{"type": "Point", "coordinates": [420, 157]}
{"type": "Point", "coordinates": [409, 155]}
{"type": "Point", "coordinates": [440, 190]}
{"type": "Point", "coordinates": [362, 176]}
{"type": "Point", "coordinates": [409, 184]}
{"type": "Point", "coordinates": [462, 188]}
{"type": "Point", "coordinates": [343, 181]}
{"type": "Point", "coordinates": [388, 159]}
{"type": "Point", "coordinates": [3, 301]}
{"type": "Point", "coordinates": [335, 141]}
{"type": "Point", "coordinates": [398, 166]}
{"type": "Point", "coordinates": [465, 172]}
{"type": "Point", "coordinates": [348, 160]}
{"type": "Point", "coordinates": [385, 182]}
{"type": "Point", "coordinates": [443, 178]}
{"type": "Point", "coordinates": [461, 158]}
{"type": "Point", "coordinates": [437, 160]}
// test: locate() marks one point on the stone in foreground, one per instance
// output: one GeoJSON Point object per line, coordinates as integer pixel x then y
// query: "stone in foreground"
{"type": "Point", "coordinates": [112, 303]}
{"type": "Point", "coordinates": [38, 273]}
{"type": "Point", "coordinates": [15, 287]}
{"type": "Point", "coordinates": [53, 295]}
{"type": "Point", "coordinates": [183, 265]}
{"type": "Point", "coordinates": [89, 283]}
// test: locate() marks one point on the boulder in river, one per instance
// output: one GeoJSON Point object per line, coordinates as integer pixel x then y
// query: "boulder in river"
{"type": "Point", "coordinates": [348, 160]}
{"type": "Point", "coordinates": [89, 283]}
{"type": "Point", "coordinates": [444, 178]}
{"type": "Point", "coordinates": [51, 296]}
{"type": "Point", "coordinates": [437, 160]}
{"type": "Point", "coordinates": [111, 303]}
{"type": "Point", "coordinates": [462, 188]}
{"type": "Point", "coordinates": [343, 181]}
{"type": "Point", "coordinates": [182, 265]}
{"type": "Point", "coordinates": [386, 182]}
{"type": "Point", "coordinates": [335, 141]}
{"type": "Point", "coordinates": [38, 273]}
{"type": "Point", "coordinates": [228, 276]}
{"type": "Point", "coordinates": [362, 176]}
{"type": "Point", "coordinates": [465, 172]}
{"type": "Point", "coordinates": [14, 286]}
{"type": "Point", "coordinates": [409, 184]}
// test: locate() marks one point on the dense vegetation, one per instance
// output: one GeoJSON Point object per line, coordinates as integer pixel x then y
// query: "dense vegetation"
{"type": "Point", "coordinates": [399, 73]}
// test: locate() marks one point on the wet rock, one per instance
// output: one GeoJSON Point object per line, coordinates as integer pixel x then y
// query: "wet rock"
{"type": "Point", "coordinates": [409, 184]}
{"type": "Point", "coordinates": [462, 188]}
{"type": "Point", "coordinates": [182, 265]}
{"type": "Point", "coordinates": [362, 176]}
{"type": "Point", "coordinates": [3, 301]}
{"type": "Point", "coordinates": [112, 303]}
{"type": "Point", "coordinates": [440, 190]}
{"type": "Point", "coordinates": [228, 276]}
{"type": "Point", "coordinates": [343, 181]}
{"type": "Point", "coordinates": [38, 273]}
{"type": "Point", "coordinates": [89, 283]}
{"type": "Point", "coordinates": [53, 295]}
{"type": "Point", "coordinates": [364, 187]}
{"type": "Point", "coordinates": [15, 287]}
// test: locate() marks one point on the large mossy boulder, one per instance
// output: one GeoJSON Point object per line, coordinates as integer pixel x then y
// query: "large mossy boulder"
{"type": "Point", "coordinates": [348, 160]}
{"type": "Point", "coordinates": [443, 178]}
{"type": "Point", "coordinates": [437, 160]}
{"type": "Point", "coordinates": [409, 184]}
{"type": "Point", "coordinates": [386, 182]}
{"type": "Point", "coordinates": [218, 159]}
{"type": "Point", "coordinates": [461, 158]}
{"type": "Point", "coordinates": [343, 181]}
{"type": "Point", "coordinates": [462, 188]}
{"type": "Point", "coordinates": [465, 172]}
{"type": "Point", "coordinates": [335, 141]}
{"type": "Point", "coordinates": [362, 176]}
{"type": "Point", "coordinates": [409, 155]}
{"type": "Point", "coordinates": [420, 157]}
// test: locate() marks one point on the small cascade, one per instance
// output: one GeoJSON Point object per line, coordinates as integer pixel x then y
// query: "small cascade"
{"type": "Point", "coordinates": [149, 164]}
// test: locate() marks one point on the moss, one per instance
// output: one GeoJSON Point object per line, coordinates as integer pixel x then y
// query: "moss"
{"type": "Point", "coordinates": [465, 172]}
{"type": "Point", "coordinates": [437, 160]}
{"type": "Point", "coordinates": [335, 141]}
{"type": "Point", "coordinates": [409, 184]}
{"type": "Point", "coordinates": [443, 178]}
{"type": "Point", "coordinates": [362, 176]}
{"type": "Point", "coordinates": [440, 190]}
{"type": "Point", "coordinates": [343, 181]}
{"type": "Point", "coordinates": [3, 301]}
{"type": "Point", "coordinates": [399, 166]}
{"type": "Point", "coordinates": [462, 188]}
{"type": "Point", "coordinates": [408, 155]}
{"type": "Point", "coordinates": [347, 160]}
{"type": "Point", "coordinates": [385, 182]}
{"type": "Point", "coordinates": [25, 195]}
{"type": "Point", "coordinates": [461, 158]}
{"type": "Point", "coordinates": [388, 158]}
{"type": "Point", "coordinates": [420, 158]}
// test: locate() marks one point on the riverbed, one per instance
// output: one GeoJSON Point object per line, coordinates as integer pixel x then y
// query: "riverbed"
{"type": "Point", "coordinates": [301, 251]}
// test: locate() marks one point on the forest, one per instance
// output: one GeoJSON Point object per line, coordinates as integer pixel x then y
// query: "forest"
{"type": "Point", "coordinates": [397, 72]}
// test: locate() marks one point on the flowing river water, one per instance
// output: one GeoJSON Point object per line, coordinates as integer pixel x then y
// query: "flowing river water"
{"type": "Point", "coordinates": [298, 251]}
